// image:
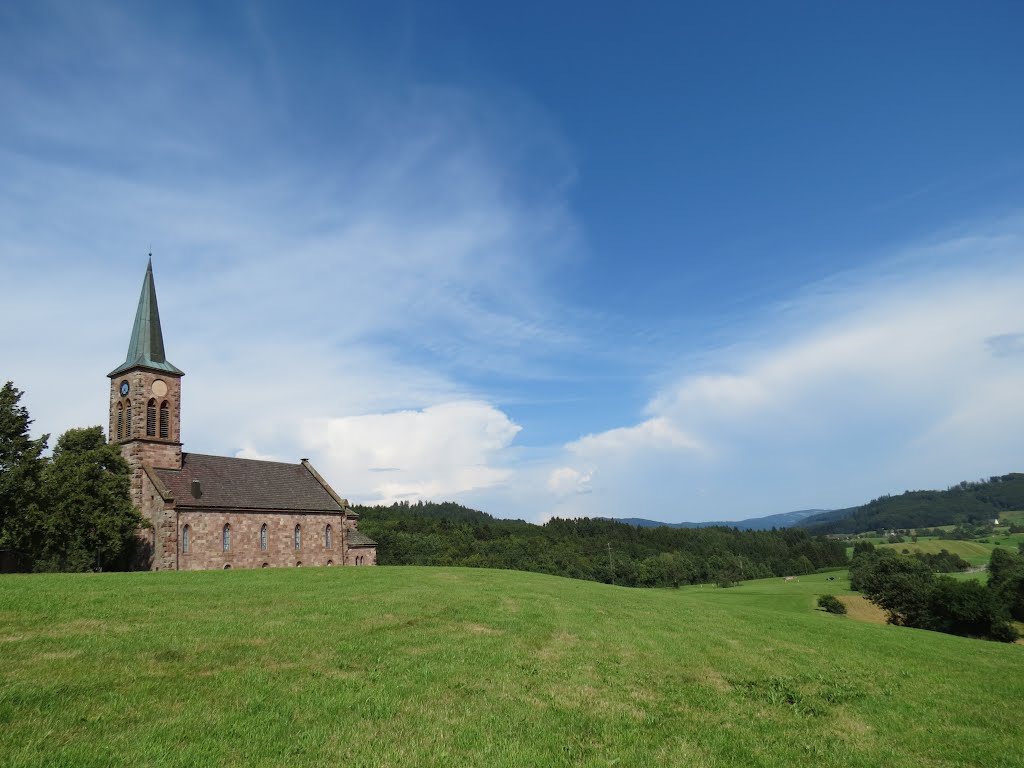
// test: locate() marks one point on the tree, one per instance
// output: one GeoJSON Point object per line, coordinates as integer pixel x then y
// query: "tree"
{"type": "Point", "coordinates": [90, 521]}
{"type": "Point", "coordinates": [21, 466]}
{"type": "Point", "coordinates": [968, 608]}
{"type": "Point", "coordinates": [913, 596]}
{"type": "Point", "coordinates": [1006, 581]}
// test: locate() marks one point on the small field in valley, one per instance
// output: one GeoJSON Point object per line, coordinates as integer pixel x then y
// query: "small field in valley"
{"type": "Point", "coordinates": [977, 552]}
{"type": "Point", "coordinates": [974, 552]}
{"type": "Point", "coordinates": [461, 667]}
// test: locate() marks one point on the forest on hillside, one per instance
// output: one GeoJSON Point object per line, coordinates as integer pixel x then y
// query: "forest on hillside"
{"type": "Point", "coordinates": [597, 550]}
{"type": "Point", "coordinates": [964, 503]}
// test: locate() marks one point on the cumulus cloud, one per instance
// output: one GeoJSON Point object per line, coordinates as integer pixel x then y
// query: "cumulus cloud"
{"type": "Point", "coordinates": [565, 480]}
{"type": "Point", "coordinates": [656, 433]}
{"type": "Point", "coordinates": [438, 452]}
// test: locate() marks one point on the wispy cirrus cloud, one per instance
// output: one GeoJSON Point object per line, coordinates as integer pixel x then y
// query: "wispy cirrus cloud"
{"type": "Point", "coordinates": [895, 378]}
{"type": "Point", "coordinates": [325, 283]}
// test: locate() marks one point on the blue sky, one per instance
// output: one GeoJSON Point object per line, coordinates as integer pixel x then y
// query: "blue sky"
{"type": "Point", "coordinates": [674, 261]}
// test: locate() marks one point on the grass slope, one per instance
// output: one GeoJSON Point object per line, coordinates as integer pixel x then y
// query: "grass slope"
{"type": "Point", "coordinates": [977, 552]}
{"type": "Point", "coordinates": [433, 666]}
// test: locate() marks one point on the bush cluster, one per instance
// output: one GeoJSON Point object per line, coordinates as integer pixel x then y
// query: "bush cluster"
{"type": "Point", "coordinates": [913, 596]}
{"type": "Point", "coordinates": [832, 604]}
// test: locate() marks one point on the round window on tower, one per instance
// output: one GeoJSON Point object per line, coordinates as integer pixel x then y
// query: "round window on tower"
{"type": "Point", "coordinates": [159, 388]}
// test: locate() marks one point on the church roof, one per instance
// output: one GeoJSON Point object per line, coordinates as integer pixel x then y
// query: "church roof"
{"type": "Point", "coordinates": [359, 539]}
{"type": "Point", "coordinates": [245, 484]}
{"type": "Point", "coordinates": [146, 348]}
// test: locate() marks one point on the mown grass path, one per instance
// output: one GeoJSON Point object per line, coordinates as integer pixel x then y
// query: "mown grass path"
{"type": "Point", "coordinates": [460, 667]}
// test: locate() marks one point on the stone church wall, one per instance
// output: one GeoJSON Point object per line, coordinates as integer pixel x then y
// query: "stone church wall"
{"type": "Point", "coordinates": [206, 530]}
{"type": "Point", "coordinates": [361, 556]}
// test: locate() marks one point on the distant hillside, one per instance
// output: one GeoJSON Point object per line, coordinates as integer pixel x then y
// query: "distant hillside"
{"type": "Point", "coordinates": [598, 550]}
{"type": "Point", "coordinates": [964, 503]}
{"type": "Point", "coordinates": [781, 520]}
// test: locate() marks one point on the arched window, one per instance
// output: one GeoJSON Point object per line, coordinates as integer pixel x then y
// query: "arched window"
{"type": "Point", "coordinates": [165, 427]}
{"type": "Point", "coordinates": [227, 537]}
{"type": "Point", "coordinates": [151, 418]}
{"type": "Point", "coordinates": [327, 537]}
{"type": "Point", "coordinates": [186, 539]}
{"type": "Point", "coordinates": [263, 537]}
{"type": "Point", "coordinates": [128, 421]}
{"type": "Point", "coordinates": [120, 420]}
{"type": "Point", "coordinates": [330, 562]}
{"type": "Point", "coordinates": [298, 564]}
{"type": "Point", "coordinates": [265, 565]}
{"type": "Point", "coordinates": [227, 567]}
{"type": "Point", "coordinates": [298, 537]}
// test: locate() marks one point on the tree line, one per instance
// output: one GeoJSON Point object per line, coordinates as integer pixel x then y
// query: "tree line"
{"type": "Point", "coordinates": [449, 534]}
{"type": "Point", "coordinates": [913, 595]}
{"type": "Point", "coordinates": [67, 512]}
{"type": "Point", "coordinates": [967, 503]}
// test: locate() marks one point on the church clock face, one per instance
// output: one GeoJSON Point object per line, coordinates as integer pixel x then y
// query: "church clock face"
{"type": "Point", "coordinates": [124, 388]}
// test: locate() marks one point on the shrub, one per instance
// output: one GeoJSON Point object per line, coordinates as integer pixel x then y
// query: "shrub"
{"type": "Point", "coordinates": [832, 604]}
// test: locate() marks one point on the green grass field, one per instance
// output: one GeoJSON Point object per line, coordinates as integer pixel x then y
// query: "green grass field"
{"type": "Point", "coordinates": [975, 552]}
{"type": "Point", "coordinates": [458, 667]}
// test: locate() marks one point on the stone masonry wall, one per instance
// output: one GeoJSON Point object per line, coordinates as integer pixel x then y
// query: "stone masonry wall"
{"type": "Point", "coordinates": [206, 549]}
{"type": "Point", "coordinates": [162, 538]}
{"type": "Point", "coordinates": [136, 447]}
{"type": "Point", "coordinates": [368, 556]}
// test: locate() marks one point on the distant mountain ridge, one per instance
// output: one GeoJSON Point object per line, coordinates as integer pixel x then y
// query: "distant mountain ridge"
{"type": "Point", "coordinates": [781, 520]}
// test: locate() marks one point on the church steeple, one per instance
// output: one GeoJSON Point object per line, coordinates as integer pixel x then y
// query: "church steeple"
{"type": "Point", "coordinates": [146, 348]}
{"type": "Point", "coordinates": [145, 397]}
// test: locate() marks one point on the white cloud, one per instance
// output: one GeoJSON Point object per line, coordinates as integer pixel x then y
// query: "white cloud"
{"type": "Point", "coordinates": [566, 480]}
{"type": "Point", "coordinates": [655, 433]}
{"type": "Point", "coordinates": [347, 278]}
{"type": "Point", "coordinates": [436, 453]}
{"type": "Point", "coordinates": [906, 380]}
{"type": "Point", "coordinates": [308, 271]}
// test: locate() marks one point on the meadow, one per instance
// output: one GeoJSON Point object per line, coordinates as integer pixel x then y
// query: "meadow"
{"type": "Point", "coordinates": [977, 552]}
{"type": "Point", "coordinates": [472, 667]}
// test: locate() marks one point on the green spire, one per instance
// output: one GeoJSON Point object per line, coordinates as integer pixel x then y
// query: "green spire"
{"type": "Point", "coordinates": [146, 349]}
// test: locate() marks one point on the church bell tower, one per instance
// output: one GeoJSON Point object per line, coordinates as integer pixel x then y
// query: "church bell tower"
{"type": "Point", "coordinates": [145, 396]}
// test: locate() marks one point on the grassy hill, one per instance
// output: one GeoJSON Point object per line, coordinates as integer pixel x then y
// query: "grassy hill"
{"type": "Point", "coordinates": [974, 552]}
{"type": "Point", "coordinates": [439, 666]}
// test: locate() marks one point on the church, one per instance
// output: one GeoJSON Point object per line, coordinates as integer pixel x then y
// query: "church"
{"type": "Point", "coordinates": [216, 511]}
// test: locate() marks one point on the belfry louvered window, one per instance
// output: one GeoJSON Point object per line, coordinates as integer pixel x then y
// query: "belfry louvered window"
{"type": "Point", "coordinates": [151, 418]}
{"type": "Point", "coordinates": [165, 413]}
{"type": "Point", "coordinates": [128, 421]}
{"type": "Point", "coordinates": [120, 420]}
